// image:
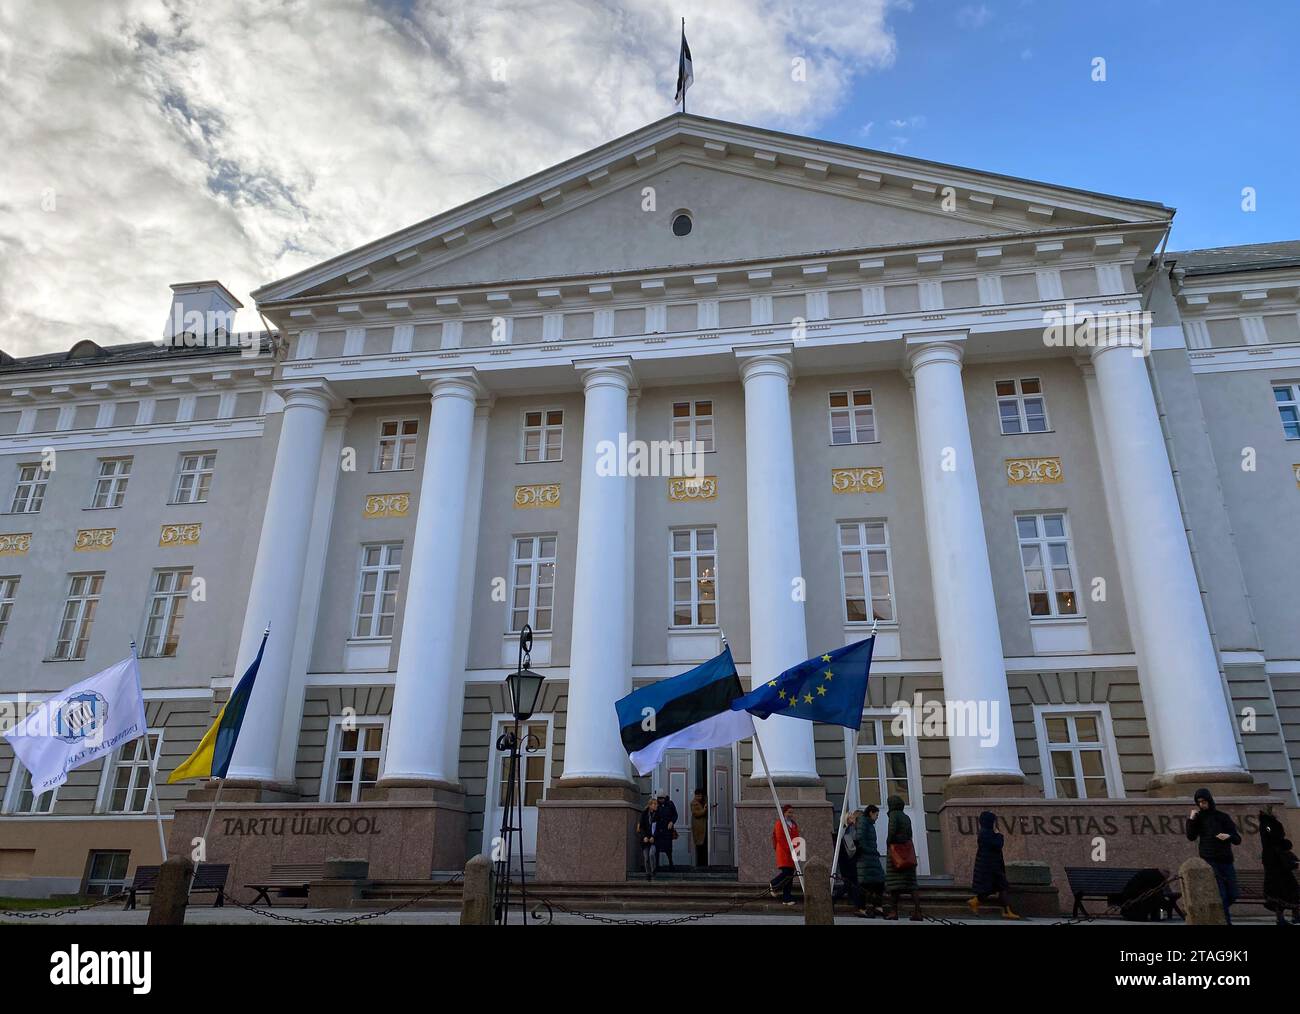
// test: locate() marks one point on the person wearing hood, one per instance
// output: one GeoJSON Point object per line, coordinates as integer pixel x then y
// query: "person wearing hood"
{"type": "Point", "coordinates": [1215, 833]}
{"type": "Point", "coordinates": [989, 877]}
{"type": "Point", "coordinates": [664, 841]}
{"type": "Point", "coordinates": [1281, 892]}
{"type": "Point", "coordinates": [871, 875]}
{"type": "Point", "coordinates": [900, 876]}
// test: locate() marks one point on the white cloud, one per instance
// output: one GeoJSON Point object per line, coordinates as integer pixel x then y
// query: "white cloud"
{"type": "Point", "coordinates": [974, 16]}
{"type": "Point", "coordinates": [248, 139]}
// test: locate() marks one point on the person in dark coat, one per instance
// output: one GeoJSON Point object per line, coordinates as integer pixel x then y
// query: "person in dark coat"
{"type": "Point", "coordinates": [1215, 833]}
{"type": "Point", "coordinates": [989, 877]}
{"type": "Point", "coordinates": [664, 842]}
{"type": "Point", "coordinates": [650, 831]}
{"type": "Point", "coordinates": [900, 874]}
{"type": "Point", "coordinates": [1281, 892]}
{"type": "Point", "coordinates": [871, 875]}
{"type": "Point", "coordinates": [847, 867]}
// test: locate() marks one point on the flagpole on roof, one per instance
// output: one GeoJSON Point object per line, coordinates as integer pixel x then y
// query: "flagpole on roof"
{"type": "Point", "coordinates": [148, 757]}
{"type": "Point", "coordinates": [683, 44]}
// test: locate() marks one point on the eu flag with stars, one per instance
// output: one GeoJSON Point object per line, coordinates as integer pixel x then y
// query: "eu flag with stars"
{"type": "Point", "coordinates": [830, 688]}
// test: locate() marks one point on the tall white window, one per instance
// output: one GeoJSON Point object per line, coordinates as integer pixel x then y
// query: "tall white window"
{"type": "Point", "coordinates": [162, 629]}
{"type": "Point", "coordinates": [1021, 407]}
{"type": "Point", "coordinates": [852, 417]}
{"type": "Point", "coordinates": [695, 577]}
{"type": "Point", "coordinates": [8, 592]}
{"type": "Point", "coordinates": [1075, 746]}
{"type": "Point", "coordinates": [357, 754]}
{"type": "Point", "coordinates": [29, 494]}
{"type": "Point", "coordinates": [882, 763]}
{"type": "Point", "coordinates": [21, 798]}
{"type": "Point", "coordinates": [381, 569]}
{"type": "Point", "coordinates": [542, 435]}
{"type": "Point", "coordinates": [533, 594]}
{"type": "Point", "coordinates": [1048, 564]}
{"type": "Point", "coordinates": [78, 616]}
{"type": "Point", "coordinates": [866, 579]}
{"type": "Point", "coordinates": [396, 451]}
{"type": "Point", "coordinates": [110, 484]}
{"type": "Point", "coordinates": [195, 477]}
{"type": "Point", "coordinates": [1287, 397]}
{"type": "Point", "coordinates": [693, 424]}
{"type": "Point", "coordinates": [131, 775]}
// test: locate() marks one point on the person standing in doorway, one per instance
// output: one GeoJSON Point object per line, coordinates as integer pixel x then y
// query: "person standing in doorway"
{"type": "Point", "coordinates": [871, 875]}
{"type": "Point", "coordinates": [900, 875]}
{"type": "Point", "coordinates": [989, 878]}
{"type": "Point", "coordinates": [700, 828]}
{"type": "Point", "coordinates": [646, 827]}
{"type": "Point", "coordinates": [664, 842]}
{"type": "Point", "coordinates": [1215, 833]}
{"type": "Point", "coordinates": [785, 868]}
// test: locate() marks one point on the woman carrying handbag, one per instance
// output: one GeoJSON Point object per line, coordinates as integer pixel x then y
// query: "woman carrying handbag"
{"type": "Point", "coordinates": [900, 873]}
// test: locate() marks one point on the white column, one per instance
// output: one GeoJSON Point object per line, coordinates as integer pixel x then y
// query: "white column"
{"type": "Point", "coordinates": [1184, 695]}
{"type": "Point", "coordinates": [275, 594]}
{"type": "Point", "coordinates": [598, 670]}
{"type": "Point", "coordinates": [778, 637]}
{"type": "Point", "coordinates": [970, 643]}
{"type": "Point", "coordinates": [430, 670]}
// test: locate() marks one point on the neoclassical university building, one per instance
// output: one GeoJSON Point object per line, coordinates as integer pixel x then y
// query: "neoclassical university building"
{"type": "Point", "coordinates": [1070, 539]}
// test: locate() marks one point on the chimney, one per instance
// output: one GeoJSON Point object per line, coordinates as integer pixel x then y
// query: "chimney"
{"type": "Point", "coordinates": [202, 310]}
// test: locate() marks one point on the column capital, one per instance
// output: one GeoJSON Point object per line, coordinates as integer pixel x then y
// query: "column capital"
{"type": "Point", "coordinates": [317, 394]}
{"type": "Point", "coordinates": [1119, 331]}
{"type": "Point", "coordinates": [606, 371]}
{"type": "Point", "coordinates": [455, 382]}
{"type": "Point", "coordinates": [776, 359]}
{"type": "Point", "coordinates": [925, 347]}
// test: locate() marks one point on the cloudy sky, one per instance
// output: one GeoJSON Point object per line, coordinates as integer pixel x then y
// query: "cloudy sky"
{"type": "Point", "coordinates": [145, 142]}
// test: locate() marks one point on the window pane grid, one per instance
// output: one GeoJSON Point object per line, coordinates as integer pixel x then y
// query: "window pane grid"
{"type": "Point", "coordinates": [396, 448]}
{"type": "Point", "coordinates": [852, 417]}
{"type": "Point", "coordinates": [692, 425]}
{"type": "Point", "coordinates": [358, 755]}
{"type": "Point", "coordinates": [171, 591]}
{"type": "Point", "coordinates": [1045, 558]}
{"type": "Point", "coordinates": [78, 616]}
{"type": "Point", "coordinates": [1287, 397]}
{"type": "Point", "coordinates": [693, 563]}
{"type": "Point", "coordinates": [1021, 406]}
{"type": "Point", "coordinates": [381, 568]}
{"type": "Point", "coordinates": [110, 484]}
{"type": "Point", "coordinates": [866, 578]}
{"type": "Point", "coordinates": [194, 478]}
{"type": "Point", "coordinates": [29, 493]}
{"type": "Point", "coordinates": [1076, 762]}
{"type": "Point", "coordinates": [132, 784]}
{"type": "Point", "coordinates": [532, 598]}
{"type": "Point", "coordinates": [542, 435]}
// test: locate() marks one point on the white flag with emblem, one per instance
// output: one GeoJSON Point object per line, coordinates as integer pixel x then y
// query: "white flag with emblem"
{"type": "Point", "coordinates": [77, 725]}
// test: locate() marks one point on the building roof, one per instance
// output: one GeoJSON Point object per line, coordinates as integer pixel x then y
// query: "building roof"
{"type": "Point", "coordinates": [87, 353]}
{"type": "Point", "coordinates": [1226, 259]}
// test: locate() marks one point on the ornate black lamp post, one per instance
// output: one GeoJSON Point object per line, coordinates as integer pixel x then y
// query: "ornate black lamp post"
{"type": "Point", "coordinates": [525, 687]}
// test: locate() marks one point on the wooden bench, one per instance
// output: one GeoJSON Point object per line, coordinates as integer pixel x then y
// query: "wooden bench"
{"type": "Point", "coordinates": [1107, 883]}
{"type": "Point", "coordinates": [288, 880]}
{"type": "Point", "coordinates": [1250, 887]}
{"type": "Point", "coordinates": [209, 878]}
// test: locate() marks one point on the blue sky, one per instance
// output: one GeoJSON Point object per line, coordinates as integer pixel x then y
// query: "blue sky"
{"type": "Point", "coordinates": [1200, 100]}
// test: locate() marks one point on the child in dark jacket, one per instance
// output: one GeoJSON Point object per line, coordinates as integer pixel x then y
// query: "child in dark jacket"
{"type": "Point", "coordinates": [989, 877]}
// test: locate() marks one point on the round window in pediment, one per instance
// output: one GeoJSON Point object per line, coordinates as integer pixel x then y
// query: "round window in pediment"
{"type": "Point", "coordinates": [682, 223]}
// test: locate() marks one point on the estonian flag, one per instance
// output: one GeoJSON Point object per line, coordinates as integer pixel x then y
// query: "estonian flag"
{"type": "Point", "coordinates": [830, 688]}
{"type": "Point", "coordinates": [692, 711]}
{"type": "Point", "coordinates": [685, 76]}
{"type": "Point", "coordinates": [212, 758]}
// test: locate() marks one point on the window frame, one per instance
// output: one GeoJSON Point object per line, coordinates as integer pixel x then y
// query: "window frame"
{"type": "Point", "coordinates": [852, 409]}
{"type": "Point", "coordinates": [108, 774]}
{"type": "Point", "coordinates": [171, 616]}
{"type": "Point", "coordinates": [543, 430]}
{"type": "Point", "coordinates": [1018, 398]}
{"type": "Point", "coordinates": [862, 549]}
{"type": "Point", "coordinates": [381, 569]}
{"type": "Point", "coordinates": [110, 886]}
{"type": "Point", "coordinates": [34, 487]}
{"type": "Point", "coordinates": [534, 563]}
{"type": "Point", "coordinates": [198, 473]}
{"type": "Point", "coordinates": [399, 443]}
{"type": "Point", "coordinates": [117, 482]}
{"type": "Point", "coordinates": [1292, 401]}
{"type": "Point", "coordinates": [334, 753]}
{"type": "Point", "coordinates": [1109, 751]}
{"type": "Point", "coordinates": [693, 553]}
{"type": "Point", "coordinates": [8, 597]}
{"type": "Point", "coordinates": [1043, 542]}
{"type": "Point", "coordinates": [18, 773]}
{"type": "Point", "coordinates": [692, 420]}
{"type": "Point", "coordinates": [82, 638]}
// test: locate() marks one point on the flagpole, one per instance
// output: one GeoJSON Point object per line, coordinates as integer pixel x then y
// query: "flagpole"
{"type": "Point", "coordinates": [683, 90]}
{"type": "Point", "coordinates": [153, 771]}
{"type": "Point", "coordinates": [780, 819]}
{"type": "Point", "coordinates": [850, 778]}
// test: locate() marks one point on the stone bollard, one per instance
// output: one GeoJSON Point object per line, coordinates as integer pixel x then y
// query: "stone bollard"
{"type": "Point", "coordinates": [171, 893]}
{"type": "Point", "coordinates": [476, 893]}
{"type": "Point", "coordinates": [341, 885]}
{"type": "Point", "coordinates": [1030, 889]}
{"type": "Point", "coordinates": [1201, 900]}
{"type": "Point", "coordinates": [818, 909]}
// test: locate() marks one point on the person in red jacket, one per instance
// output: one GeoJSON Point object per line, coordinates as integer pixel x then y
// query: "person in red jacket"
{"type": "Point", "coordinates": [784, 878]}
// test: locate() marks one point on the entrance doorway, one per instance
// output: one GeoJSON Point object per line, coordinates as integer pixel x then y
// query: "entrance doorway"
{"type": "Point", "coordinates": [679, 774]}
{"type": "Point", "coordinates": [535, 759]}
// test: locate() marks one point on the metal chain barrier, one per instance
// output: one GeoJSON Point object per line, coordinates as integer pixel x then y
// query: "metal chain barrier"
{"type": "Point", "coordinates": [54, 913]}
{"type": "Point", "coordinates": [268, 913]}
{"type": "Point", "coordinates": [553, 906]}
{"type": "Point", "coordinates": [1119, 906]}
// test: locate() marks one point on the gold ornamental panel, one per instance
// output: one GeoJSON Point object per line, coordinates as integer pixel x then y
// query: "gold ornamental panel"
{"type": "Point", "coordinates": [180, 535]}
{"type": "Point", "coordinates": [1033, 471]}
{"type": "Point", "coordinates": [544, 494]}
{"type": "Point", "coordinates": [688, 488]}
{"type": "Point", "coordinates": [90, 540]}
{"type": "Point", "coordinates": [387, 505]}
{"type": "Point", "coordinates": [15, 545]}
{"type": "Point", "coordinates": [858, 480]}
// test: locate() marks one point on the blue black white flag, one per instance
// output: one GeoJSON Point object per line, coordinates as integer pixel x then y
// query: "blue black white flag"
{"type": "Point", "coordinates": [685, 73]}
{"type": "Point", "coordinates": [830, 688]}
{"type": "Point", "coordinates": [690, 711]}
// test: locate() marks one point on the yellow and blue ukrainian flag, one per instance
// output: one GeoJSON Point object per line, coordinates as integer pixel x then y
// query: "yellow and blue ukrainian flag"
{"type": "Point", "coordinates": [212, 758]}
{"type": "Point", "coordinates": [830, 688]}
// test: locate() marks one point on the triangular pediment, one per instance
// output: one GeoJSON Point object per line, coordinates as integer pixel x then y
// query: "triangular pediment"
{"type": "Point", "coordinates": [749, 193]}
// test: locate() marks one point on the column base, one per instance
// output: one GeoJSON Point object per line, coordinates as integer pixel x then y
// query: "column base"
{"type": "Point", "coordinates": [990, 785]}
{"type": "Point", "coordinates": [756, 818]}
{"type": "Point", "coordinates": [1220, 783]}
{"type": "Point", "coordinates": [417, 790]}
{"type": "Point", "coordinates": [243, 790]}
{"type": "Point", "coordinates": [586, 831]}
